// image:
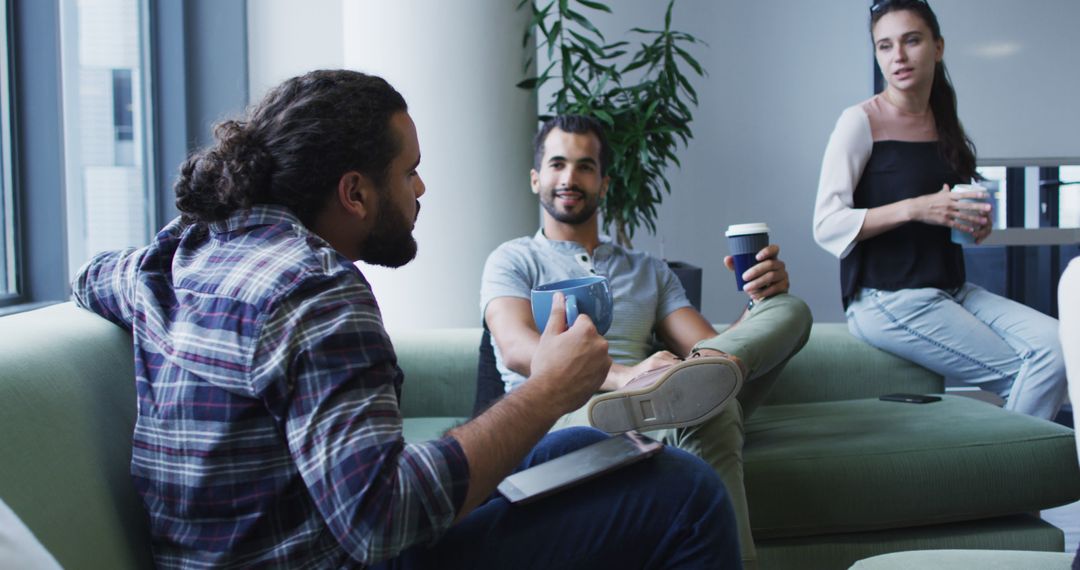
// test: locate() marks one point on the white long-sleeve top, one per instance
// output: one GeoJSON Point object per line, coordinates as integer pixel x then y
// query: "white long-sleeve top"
{"type": "Point", "coordinates": [1069, 319]}
{"type": "Point", "coordinates": [836, 221]}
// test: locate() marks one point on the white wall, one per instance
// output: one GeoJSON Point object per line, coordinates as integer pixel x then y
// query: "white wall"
{"type": "Point", "coordinates": [780, 73]}
{"type": "Point", "coordinates": [287, 38]}
{"type": "Point", "coordinates": [1015, 68]}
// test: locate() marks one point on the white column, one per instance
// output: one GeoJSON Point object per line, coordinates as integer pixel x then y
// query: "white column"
{"type": "Point", "coordinates": [287, 38]}
{"type": "Point", "coordinates": [456, 64]}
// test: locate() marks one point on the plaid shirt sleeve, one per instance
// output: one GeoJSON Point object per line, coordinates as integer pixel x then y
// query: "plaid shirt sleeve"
{"type": "Point", "coordinates": [339, 407]}
{"type": "Point", "coordinates": [105, 285]}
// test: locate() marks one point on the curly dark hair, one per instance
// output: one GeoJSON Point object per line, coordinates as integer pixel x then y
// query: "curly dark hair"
{"type": "Point", "coordinates": [292, 147]}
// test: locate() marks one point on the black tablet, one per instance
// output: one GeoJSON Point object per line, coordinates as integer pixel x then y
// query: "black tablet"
{"type": "Point", "coordinates": [578, 466]}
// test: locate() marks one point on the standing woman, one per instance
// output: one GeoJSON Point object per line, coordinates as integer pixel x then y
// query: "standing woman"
{"type": "Point", "coordinates": [884, 208]}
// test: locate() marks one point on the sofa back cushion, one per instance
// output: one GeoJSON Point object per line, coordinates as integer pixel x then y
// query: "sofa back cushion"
{"type": "Point", "coordinates": [440, 371]}
{"type": "Point", "coordinates": [834, 365]}
{"type": "Point", "coordinates": [440, 368]}
{"type": "Point", "coordinates": [67, 411]}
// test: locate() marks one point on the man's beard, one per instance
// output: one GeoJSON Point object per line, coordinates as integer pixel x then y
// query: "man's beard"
{"type": "Point", "coordinates": [591, 203]}
{"type": "Point", "coordinates": [390, 243]}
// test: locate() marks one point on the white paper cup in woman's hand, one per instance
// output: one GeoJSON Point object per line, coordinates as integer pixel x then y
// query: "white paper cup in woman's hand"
{"type": "Point", "coordinates": [961, 236]}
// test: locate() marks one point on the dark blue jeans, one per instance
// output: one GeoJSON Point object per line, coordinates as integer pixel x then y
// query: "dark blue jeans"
{"type": "Point", "coordinates": [669, 511]}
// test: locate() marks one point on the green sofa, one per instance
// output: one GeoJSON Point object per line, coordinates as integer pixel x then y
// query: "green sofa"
{"type": "Point", "coordinates": [833, 474]}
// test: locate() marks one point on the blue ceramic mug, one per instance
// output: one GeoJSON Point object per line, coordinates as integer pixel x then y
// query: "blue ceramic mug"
{"type": "Point", "coordinates": [588, 295]}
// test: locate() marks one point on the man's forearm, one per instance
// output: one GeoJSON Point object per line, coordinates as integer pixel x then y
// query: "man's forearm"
{"type": "Point", "coordinates": [496, 441]}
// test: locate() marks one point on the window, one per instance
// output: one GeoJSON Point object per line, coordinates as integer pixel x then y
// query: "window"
{"type": "Point", "coordinates": [84, 178]}
{"type": "Point", "coordinates": [8, 275]}
{"type": "Point", "coordinates": [995, 181]}
{"type": "Point", "coordinates": [1069, 207]}
{"type": "Point", "coordinates": [109, 196]}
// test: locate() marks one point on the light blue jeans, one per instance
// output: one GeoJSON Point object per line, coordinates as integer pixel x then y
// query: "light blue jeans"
{"type": "Point", "coordinates": [971, 335]}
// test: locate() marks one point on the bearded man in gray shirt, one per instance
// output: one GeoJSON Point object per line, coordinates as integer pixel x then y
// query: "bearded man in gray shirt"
{"type": "Point", "coordinates": [569, 176]}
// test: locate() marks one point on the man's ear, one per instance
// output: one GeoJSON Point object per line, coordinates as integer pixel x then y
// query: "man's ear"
{"type": "Point", "coordinates": [534, 181]}
{"type": "Point", "coordinates": [604, 186]}
{"type": "Point", "coordinates": [356, 194]}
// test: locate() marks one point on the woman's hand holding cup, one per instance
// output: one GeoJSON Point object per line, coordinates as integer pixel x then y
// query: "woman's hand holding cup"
{"type": "Point", "coordinates": [959, 210]}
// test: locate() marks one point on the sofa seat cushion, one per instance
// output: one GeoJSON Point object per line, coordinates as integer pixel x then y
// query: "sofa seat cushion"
{"type": "Point", "coordinates": [857, 465]}
{"type": "Point", "coordinates": [835, 551]}
{"type": "Point", "coordinates": [966, 559]}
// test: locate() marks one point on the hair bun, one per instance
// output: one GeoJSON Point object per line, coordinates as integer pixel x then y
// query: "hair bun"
{"type": "Point", "coordinates": [229, 176]}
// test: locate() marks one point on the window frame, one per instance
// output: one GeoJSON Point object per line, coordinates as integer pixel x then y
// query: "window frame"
{"type": "Point", "coordinates": [8, 198]}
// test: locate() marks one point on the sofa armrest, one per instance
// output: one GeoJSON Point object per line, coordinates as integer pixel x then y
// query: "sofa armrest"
{"type": "Point", "coordinates": [834, 365]}
{"type": "Point", "coordinates": [67, 411]}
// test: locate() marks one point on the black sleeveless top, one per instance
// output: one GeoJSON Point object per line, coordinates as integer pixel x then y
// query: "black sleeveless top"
{"type": "Point", "coordinates": [912, 255]}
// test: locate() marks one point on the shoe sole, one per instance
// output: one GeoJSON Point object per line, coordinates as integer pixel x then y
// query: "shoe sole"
{"type": "Point", "coordinates": [686, 395]}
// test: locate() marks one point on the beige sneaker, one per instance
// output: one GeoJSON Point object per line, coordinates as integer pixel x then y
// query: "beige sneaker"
{"type": "Point", "coordinates": [679, 395]}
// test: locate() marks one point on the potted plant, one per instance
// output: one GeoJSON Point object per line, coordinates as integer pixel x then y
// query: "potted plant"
{"type": "Point", "coordinates": [641, 93]}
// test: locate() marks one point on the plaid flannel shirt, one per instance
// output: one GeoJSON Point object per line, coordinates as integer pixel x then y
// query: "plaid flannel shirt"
{"type": "Point", "coordinates": [268, 429]}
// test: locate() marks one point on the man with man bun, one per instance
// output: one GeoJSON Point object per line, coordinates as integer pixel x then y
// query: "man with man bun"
{"type": "Point", "coordinates": [269, 431]}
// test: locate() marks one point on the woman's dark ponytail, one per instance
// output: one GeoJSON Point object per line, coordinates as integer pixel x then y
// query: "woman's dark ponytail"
{"type": "Point", "coordinates": [955, 146]}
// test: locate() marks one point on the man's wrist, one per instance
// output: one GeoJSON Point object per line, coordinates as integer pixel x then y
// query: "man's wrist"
{"type": "Point", "coordinates": [534, 398]}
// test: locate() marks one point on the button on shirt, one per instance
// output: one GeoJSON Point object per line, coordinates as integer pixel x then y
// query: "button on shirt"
{"type": "Point", "coordinates": [644, 289]}
{"type": "Point", "coordinates": [268, 429]}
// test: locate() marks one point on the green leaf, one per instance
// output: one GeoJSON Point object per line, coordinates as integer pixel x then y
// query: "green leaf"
{"type": "Point", "coordinates": [583, 22]}
{"type": "Point", "coordinates": [587, 43]}
{"type": "Point", "coordinates": [541, 15]}
{"type": "Point", "coordinates": [689, 89]}
{"type": "Point", "coordinates": [634, 65]}
{"type": "Point", "coordinates": [690, 60]}
{"type": "Point", "coordinates": [551, 37]}
{"type": "Point", "coordinates": [595, 5]}
{"type": "Point", "coordinates": [553, 33]}
{"type": "Point", "coordinates": [529, 83]}
{"type": "Point", "coordinates": [586, 56]}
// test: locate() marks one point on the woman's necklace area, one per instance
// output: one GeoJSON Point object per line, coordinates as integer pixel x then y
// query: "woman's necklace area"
{"type": "Point", "coordinates": [903, 108]}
